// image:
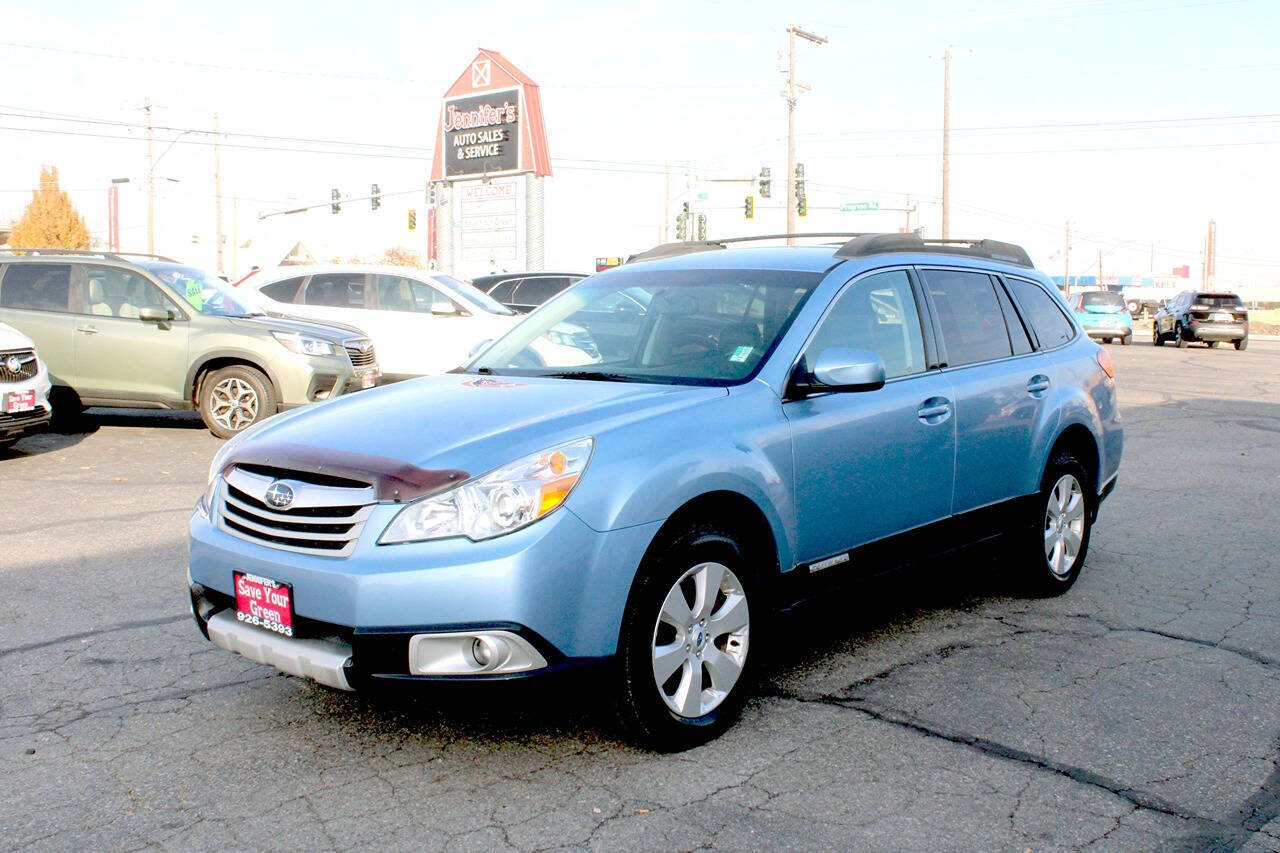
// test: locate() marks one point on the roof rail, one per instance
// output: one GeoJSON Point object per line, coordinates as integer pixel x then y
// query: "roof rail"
{"type": "Point", "coordinates": [671, 250]}
{"type": "Point", "coordinates": [85, 253]}
{"type": "Point", "coordinates": [876, 244]}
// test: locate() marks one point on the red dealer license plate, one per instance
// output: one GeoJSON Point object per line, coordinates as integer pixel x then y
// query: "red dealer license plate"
{"type": "Point", "coordinates": [20, 401]}
{"type": "Point", "coordinates": [368, 380]}
{"type": "Point", "coordinates": [263, 602]}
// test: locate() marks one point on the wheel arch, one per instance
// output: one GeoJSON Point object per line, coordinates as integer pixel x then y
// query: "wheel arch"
{"type": "Point", "coordinates": [1078, 440]}
{"type": "Point", "coordinates": [219, 359]}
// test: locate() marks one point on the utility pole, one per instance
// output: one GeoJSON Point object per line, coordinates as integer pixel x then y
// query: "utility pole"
{"type": "Point", "coordinates": [151, 188]}
{"type": "Point", "coordinates": [1099, 266]}
{"type": "Point", "coordinates": [1211, 255]}
{"type": "Point", "coordinates": [1066, 260]}
{"type": "Point", "coordinates": [235, 238]}
{"type": "Point", "coordinates": [666, 198]}
{"type": "Point", "coordinates": [1152, 267]}
{"type": "Point", "coordinates": [946, 145]}
{"type": "Point", "coordinates": [908, 207]}
{"type": "Point", "coordinates": [217, 189]}
{"type": "Point", "coordinates": [792, 87]}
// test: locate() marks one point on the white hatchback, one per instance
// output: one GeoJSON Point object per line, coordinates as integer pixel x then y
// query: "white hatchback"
{"type": "Point", "coordinates": [421, 323]}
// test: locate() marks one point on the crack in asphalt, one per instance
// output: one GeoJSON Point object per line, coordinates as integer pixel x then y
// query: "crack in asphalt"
{"type": "Point", "coordinates": [1253, 814]}
{"type": "Point", "coordinates": [84, 635]}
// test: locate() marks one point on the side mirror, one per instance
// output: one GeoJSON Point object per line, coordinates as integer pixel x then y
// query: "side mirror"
{"type": "Point", "coordinates": [444, 309]}
{"type": "Point", "coordinates": [160, 316]}
{"type": "Point", "coordinates": [840, 369]}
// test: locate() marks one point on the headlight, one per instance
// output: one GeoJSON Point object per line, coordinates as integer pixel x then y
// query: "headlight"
{"type": "Point", "coordinates": [560, 338]}
{"type": "Point", "coordinates": [304, 345]}
{"type": "Point", "coordinates": [498, 502]}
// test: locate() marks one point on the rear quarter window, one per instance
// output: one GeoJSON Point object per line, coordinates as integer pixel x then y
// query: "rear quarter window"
{"type": "Point", "coordinates": [36, 287]}
{"type": "Point", "coordinates": [1041, 310]}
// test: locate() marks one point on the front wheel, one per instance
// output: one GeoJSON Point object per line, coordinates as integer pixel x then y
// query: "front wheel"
{"type": "Point", "coordinates": [1157, 339]}
{"type": "Point", "coordinates": [1054, 548]}
{"type": "Point", "coordinates": [1243, 343]}
{"type": "Point", "coordinates": [684, 669]}
{"type": "Point", "coordinates": [235, 398]}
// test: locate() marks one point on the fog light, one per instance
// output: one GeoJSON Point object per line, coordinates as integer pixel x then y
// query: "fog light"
{"type": "Point", "coordinates": [481, 653]}
{"type": "Point", "coordinates": [472, 653]}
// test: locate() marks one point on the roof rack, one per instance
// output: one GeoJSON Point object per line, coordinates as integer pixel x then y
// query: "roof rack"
{"type": "Point", "coordinates": [671, 250]}
{"type": "Point", "coordinates": [876, 244]}
{"type": "Point", "coordinates": [86, 253]}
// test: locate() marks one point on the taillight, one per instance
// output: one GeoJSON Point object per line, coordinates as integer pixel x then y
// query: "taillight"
{"type": "Point", "coordinates": [1104, 361]}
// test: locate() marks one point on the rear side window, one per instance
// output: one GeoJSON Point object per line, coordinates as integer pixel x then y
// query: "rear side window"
{"type": "Point", "coordinates": [336, 290]}
{"type": "Point", "coordinates": [37, 287]}
{"type": "Point", "coordinates": [1042, 312]}
{"type": "Point", "coordinates": [535, 291]}
{"type": "Point", "coordinates": [282, 291]}
{"type": "Point", "coordinates": [502, 292]}
{"type": "Point", "coordinates": [969, 313]}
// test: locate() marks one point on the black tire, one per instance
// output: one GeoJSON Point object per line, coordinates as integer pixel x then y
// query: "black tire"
{"type": "Point", "coordinates": [1178, 337]}
{"type": "Point", "coordinates": [1211, 344]}
{"type": "Point", "coordinates": [642, 710]}
{"type": "Point", "coordinates": [1157, 339]}
{"type": "Point", "coordinates": [6, 443]}
{"type": "Point", "coordinates": [1107, 340]}
{"type": "Point", "coordinates": [1243, 343]}
{"type": "Point", "coordinates": [1034, 565]}
{"type": "Point", "coordinates": [216, 417]}
{"type": "Point", "coordinates": [1126, 340]}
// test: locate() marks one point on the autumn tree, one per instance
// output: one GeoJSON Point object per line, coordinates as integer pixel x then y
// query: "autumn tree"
{"type": "Point", "coordinates": [400, 257]}
{"type": "Point", "coordinates": [50, 221]}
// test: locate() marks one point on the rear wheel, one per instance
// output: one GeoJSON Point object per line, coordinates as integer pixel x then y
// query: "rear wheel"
{"type": "Point", "coordinates": [1157, 339]}
{"type": "Point", "coordinates": [1243, 343]}
{"type": "Point", "coordinates": [1211, 344]}
{"type": "Point", "coordinates": [1054, 548]}
{"type": "Point", "coordinates": [235, 398]}
{"type": "Point", "coordinates": [1126, 340]}
{"type": "Point", "coordinates": [1178, 337]}
{"type": "Point", "coordinates": [684, 670]}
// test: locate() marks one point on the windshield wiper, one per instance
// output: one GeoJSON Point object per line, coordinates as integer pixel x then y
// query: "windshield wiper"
{"type": "Point", "coordinates": [594, 375]}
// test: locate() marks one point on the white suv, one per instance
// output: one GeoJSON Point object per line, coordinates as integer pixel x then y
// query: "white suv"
{"type": "Point", "coordinates": [24, 387]}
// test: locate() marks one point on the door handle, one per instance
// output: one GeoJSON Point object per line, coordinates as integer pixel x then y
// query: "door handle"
{"type": "Point", "coordinates": [88, 330]}
{"type": "Point", "coordinates": [934, 410]}
{"type": "Point", "coordinates": [1037, 385]}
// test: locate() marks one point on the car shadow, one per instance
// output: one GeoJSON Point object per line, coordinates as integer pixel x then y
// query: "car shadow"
{"type": "Point", "coordinates": [66, 431]}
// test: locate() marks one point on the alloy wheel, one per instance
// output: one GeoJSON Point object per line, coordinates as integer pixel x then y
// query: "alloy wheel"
{"type": "Point", "coordinates": [1064, 525]}
{"type": "Point", "coordinates": [700, 638]}
{"type": "Point", "coordinates": [233, 403]}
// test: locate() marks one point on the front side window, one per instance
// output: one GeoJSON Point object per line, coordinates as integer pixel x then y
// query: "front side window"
{"type": "Point", "coordinates": [115, 292]}
{"type": "Point", "coordinates": [1041, 310]}
{"type": "Point", "coordinates": [207, 294]}
{"type": "Point", "coordinates": [397, 293]}
{"type": "Point", "coordinates": [37, 287]}
{"type": "Point", "coordinates": [972, 324]}
{"type": "Point", "coordinates": [336, 290]}
{"type": "Point", "coordinates": [535, 291]}
{"type": "Point", "coordinates": [876, 313]}
{"type": "Point", "coordinates": [502, 292]}
{"type": "Point", "coordinates": [699, 327]}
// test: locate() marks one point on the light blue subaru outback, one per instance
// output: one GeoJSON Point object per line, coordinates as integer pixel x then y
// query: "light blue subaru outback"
{"type": "Point", "coordinates": [727, 431]}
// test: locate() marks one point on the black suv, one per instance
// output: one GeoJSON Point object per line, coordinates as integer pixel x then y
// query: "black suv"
{"type": "Point", "coordinates": [1207, 317]}
{"type": "Point", "coordinates": [524, 291]}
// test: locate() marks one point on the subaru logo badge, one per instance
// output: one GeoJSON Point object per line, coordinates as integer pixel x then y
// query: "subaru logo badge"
{"type": "Point", "coordinates": [279, 495]}
{"type": "Point", "coordinates": [12, 364]}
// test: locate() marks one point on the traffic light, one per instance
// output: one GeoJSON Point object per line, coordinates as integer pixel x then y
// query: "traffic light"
{"type": "Point", "coordinates": [702, 226]}
{"type": "Point", "coordinates": [336, 196]}
{"type": "Point", "coordinates": [750, 208]}
{"type": "Point", "coordinates": [765, 184]}
{"type": "Point", "coordinates": [802, 207]}
{"type": "Point", "coordinates": [682, 229]}
{"type": "Point", "coordinates": [413, 220]}
{"type": "Point", "coordinates": [686, 208]}
{"type": "Point", "coordinates": [375, 197]}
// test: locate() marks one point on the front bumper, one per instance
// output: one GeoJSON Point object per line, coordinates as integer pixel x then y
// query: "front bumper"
{"type": "Point", "coordinates": [557, 584]}
{"type": "Point", "coordinates": [313, 379]}
{"type": "Point", "coordinates": [22, 422]}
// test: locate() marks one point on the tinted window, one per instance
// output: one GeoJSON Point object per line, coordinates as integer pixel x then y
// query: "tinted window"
{"type": "Point", "coordinates": [1017, 334]}
{"type": "Point", "coordinates": [972, 324]}
{"type": "Point", "coordinates": [336, 290]}
{"type": "Point", "coordinates": [282, 291]}
{"type": "Point", "coordinates": [39, 287]}
{"type": "Point", "coordinates": [502, 292]}
{"type": "Point", "coordinates": [1218, 300]}
{"type": "Point", "coordinates": [1101, 299]}
{"type": "Point", "coordinates": [1041, 310]}
{"type": "Point", "coordinates": [876, 313]}
{"type": "Point", "coordinates": [535, 291]}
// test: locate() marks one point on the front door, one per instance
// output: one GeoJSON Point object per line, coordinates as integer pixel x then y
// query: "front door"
{"type": "Point", "coordinates": [120, 356]}
{"type": "Point", "coordinates": [874, 463]}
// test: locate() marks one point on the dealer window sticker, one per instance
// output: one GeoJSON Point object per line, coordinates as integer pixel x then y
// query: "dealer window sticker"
{"type": "Point", "coordinates": [741, 354]}
{"type": "Point", "coordinates": [193, 293]}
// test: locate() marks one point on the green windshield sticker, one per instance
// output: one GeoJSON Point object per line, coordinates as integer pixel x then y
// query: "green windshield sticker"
{"type": "Point", "coordinates": [194, 294]}
{"type": "Point", "coordinates": [741, 354]}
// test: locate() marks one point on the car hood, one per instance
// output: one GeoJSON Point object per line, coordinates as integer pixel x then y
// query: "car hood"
{"type": "Point", "coordinates": [11, 338]}
{"type": "Point", "coordinates": [413, 437]}
{"type": "Point", "coordinates": [336, 332]}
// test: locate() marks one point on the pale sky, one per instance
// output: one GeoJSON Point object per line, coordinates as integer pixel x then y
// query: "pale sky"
{"type": "Point", "coordinates": [1137, 120]}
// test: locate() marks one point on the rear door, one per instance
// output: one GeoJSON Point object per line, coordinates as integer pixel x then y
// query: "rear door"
{"type": "Point", "coordinates": [36, 300]}
{"type": "Point", "coordinates": [998, 394]}
{"type": "Point", "coordinates": [337, 297]}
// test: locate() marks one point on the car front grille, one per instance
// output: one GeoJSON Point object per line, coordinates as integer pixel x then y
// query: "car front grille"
{"type": "Point", "coordinates": [360, 350]}
{"type": "Point", "coordinates": [321, 519]}
{"type": "Point", "coordinates": [26, 363]}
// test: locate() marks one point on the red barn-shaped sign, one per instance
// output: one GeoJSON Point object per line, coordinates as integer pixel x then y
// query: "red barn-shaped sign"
{"type": "Point", "coordinates": [491, 124]}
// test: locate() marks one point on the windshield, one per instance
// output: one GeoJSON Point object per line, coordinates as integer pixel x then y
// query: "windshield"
{"type": "Point", "coordinates": [687, 327]}
{"type": "Point", "coordinates": [205, 293]}
{"type": "Point", "coordinates": [472, 295]}
{"type": "Point", "coordinates": [1101, 301]}
{"type": "Point", "coordinates": [1218, 300]}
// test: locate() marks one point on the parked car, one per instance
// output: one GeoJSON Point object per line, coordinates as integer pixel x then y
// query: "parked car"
{"type": "Point", "coordinates": [780, 419]}
{"type": "Point", "coordinates": [1103, 315]}
{"type": "Point", "coordinates": [422, 323]}
{"type": "Point", "coordinates": [152, 333]}
{"type": "Point", "coordinates": [1207, 317]}
{"type": "Point", "coordinates": [24, 387]}
{"type": "Point", "coordinates": [524, 291]}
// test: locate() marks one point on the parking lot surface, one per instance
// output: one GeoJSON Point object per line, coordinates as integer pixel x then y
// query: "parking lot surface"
{"type": "Point", "coordinates": [936, 711]}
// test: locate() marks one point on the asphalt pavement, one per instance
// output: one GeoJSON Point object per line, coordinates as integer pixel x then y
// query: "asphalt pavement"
{"type": "Point", "coordinates": [937, 711]}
